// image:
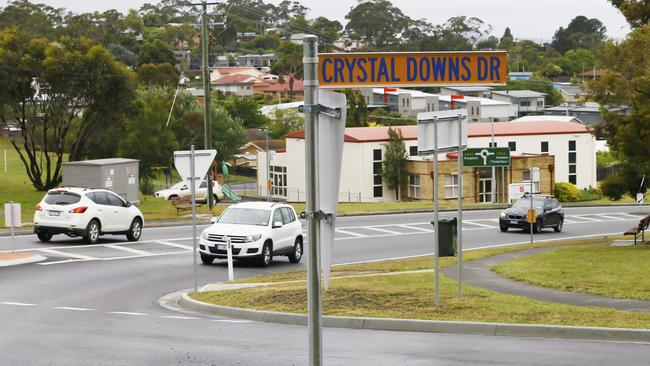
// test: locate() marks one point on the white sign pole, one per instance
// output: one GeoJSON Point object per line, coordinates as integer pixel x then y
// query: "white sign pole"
{"type": "Point", "coordinates": [193, 190]}
{"type": "Point", "coordinates": [5, 160]}
{"type": "Point", "coordinates": [314, 306]}
{"type": "Point", "coordinates": [460, 206]}
{"type": "Point", "coordinates": [436, 255]}
{"type": "Point", "coordinates": [13, 223]}
{"type": "Point", "coordinates": [231, 274]}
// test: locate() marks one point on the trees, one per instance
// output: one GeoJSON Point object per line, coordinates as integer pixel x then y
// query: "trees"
{"type": "Point", "coordinates": [36, 19]}
{"type": "Point", "coordinates": [507, 40]}
{"type": "Point", "coordinates": [245, 110]}
{"type": "Point", "coordinates": [357, 110]}
{"type": "Point", "coordinates": [376, 23]}
{"type": "Point", "coordinates": [228, 133]}
{"type": "Point", "coordinates": [64, 96]}
{"type": "Point", "coordinates": [637, 12]}
{"type": "Point", "coordinates": [393, 169]}
{"type": "Point", "coordinates": [580, 33]}
{"type": "Point", "coordinates": [158, 74]}
{"type": "Point", "coordinates": [156, 51]}
{"type": "Point", "coordinates": [626, 82]}
{"type": "Point", "coordinates": [285, 121]}
{"type": "Point", "coordinates": [146, 137]}
{"type": "Point", "coordinates": [289, 63]}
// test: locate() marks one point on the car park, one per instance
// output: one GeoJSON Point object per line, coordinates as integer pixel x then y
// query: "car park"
{"type": "Point", "coordinates": [548, 210]}
{"type": "Point", "coordinates": [182, 189]}
{"type": "Point", "coordinates": [86, 213]}
{"type": "Point", "coordinates": [257, 231]}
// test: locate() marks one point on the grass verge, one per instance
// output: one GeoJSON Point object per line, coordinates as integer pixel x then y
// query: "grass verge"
{"type": "Point", "coordinates": [410, 296]}
{"type": "Point", "coordinates": [620, 272]}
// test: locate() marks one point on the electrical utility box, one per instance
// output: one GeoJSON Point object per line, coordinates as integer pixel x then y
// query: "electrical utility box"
{"type": "Point", "coordinates": [115, 174]}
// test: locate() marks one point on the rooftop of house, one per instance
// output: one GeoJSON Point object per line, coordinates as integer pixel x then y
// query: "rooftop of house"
{"type": "Point", "coordinates": [397, 91]}
{"type": "Point", "coordinates": [571, 89]}
{"type": "Point", "coordinates": [235, 79]}
{"type": "Point", "coordinates": [476, 129]}
{"type": "Point", "coordinates": [592, 73]}
{"type": "Point", "coordinates": [483, 101]}
{"type": "Point", "coordinates": [519, 93]}
{"type": "Point", "coordinates": [547, 119]}
{"type": "Point", "coordinates": [469, 89]}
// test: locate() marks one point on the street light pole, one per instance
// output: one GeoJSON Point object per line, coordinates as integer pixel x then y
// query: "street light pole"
{"type": "Point", "coordinates": [206, 91]}
{"type": "Point", "coordinates": [268, 167]}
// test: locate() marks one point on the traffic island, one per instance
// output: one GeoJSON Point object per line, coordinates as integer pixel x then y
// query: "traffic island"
{"type": "Point", "coordinates": [14, 259]}
{"type": "Point", "coordinates": [398, 295]}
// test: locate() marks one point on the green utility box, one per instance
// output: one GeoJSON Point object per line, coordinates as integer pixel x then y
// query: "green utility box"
{"type": "Point", "coordinates": [447, 236]}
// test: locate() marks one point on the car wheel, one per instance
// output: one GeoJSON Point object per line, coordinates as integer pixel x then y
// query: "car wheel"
{"type": "Point", "coordinates": [558, 227]}
{"type": "Point", "coordinates": [296, 255]}
{"type": "Point", "coordinates": [538, 226]}
{"type": "Point", "coordinates": [206, 259]}
{"type": "Point", "coordinates": [92, 232]}
{"type": "Point", "coordinates": [172, 197]}
{"type": "Point", "coordinates": [503, 228]}
{"type": "Point", "coordinates": [215, 199]}
{"type": "Point", "coordinates": [267, 255]}
{"type": "Point", "coordinates": [44, 236]}
{"type": "Point", "coordinates": [135, 231]}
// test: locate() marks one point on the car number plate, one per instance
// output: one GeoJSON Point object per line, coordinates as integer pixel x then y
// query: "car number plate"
{"type": "Point", "coordinates": [514, 222]}
{"type": "Point", "coordinates": [221, 247]}
{"type": "Point", "coordinates": [55, 213]}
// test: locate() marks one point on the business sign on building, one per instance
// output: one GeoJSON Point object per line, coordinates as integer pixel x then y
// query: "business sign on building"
{"type": "Point", "coordinates": [411, 69]}
{"type": "Point", "coordinates": [487, 157]}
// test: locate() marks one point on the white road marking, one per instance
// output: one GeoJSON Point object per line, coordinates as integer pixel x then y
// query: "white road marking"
{"type": "Point", "coordinates": [180, 317]}
{"type": "Point", "coordinates": [127, 313]}
{"type": "Point", "coordinates": [230, 321]}
{"type": "Point", "coordinates": [585, 218]}
{"type": "Point", "coordinates": [16, 303]}
{"type": "Point", "coordinates": [66, 254]}
{"type": "Point", "coordinates": [59, 262]}
{"type": "Point", "coordinates": [74, 309]}
{"type": "Point", "coordinates": [127, 249]}
{"type": "Point", "coordinates": [345, 232]}
{"type": "Point", "coordinates": [172, 244]}
{"type": "Point", "coordinates": [473, 222]}
{"type": "Point", "coordinates": [383, 230]}
{"type": "Point", "coordinates": [408, 226]}
{"type": "Point", "coordinates": [612, 217]}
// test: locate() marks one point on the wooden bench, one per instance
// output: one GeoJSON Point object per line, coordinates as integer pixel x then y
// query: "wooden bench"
{"type": "Point", "coordinates": [183, 203]}
{"type": "Point", "coordinates": [639, 229]}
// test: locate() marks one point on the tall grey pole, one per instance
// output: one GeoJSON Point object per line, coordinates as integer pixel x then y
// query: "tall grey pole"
{"type": "Point", "coordinates": [12, 224]}
{"type": "Point", "coordinates": [494, 178]}
{"type": "Point", "coordinates": [193, 191]}
{"type": "Point", "coordinates": [310, 61]}
{"type": "Point", "coordinates": [268, 167]}
{"type": "Point", "coordinates": [460, 206]}
{"type": "Point", "coordinates": [206, 90]}
{"type": "Point", "coordinates": [436, 253]}
{"type": "Point", "coordinates": [531, 203]}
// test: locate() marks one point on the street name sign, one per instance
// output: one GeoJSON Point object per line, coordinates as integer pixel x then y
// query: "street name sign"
{"type": "Point", "coordinates": [487, 157]}
{"type": "Point", "coordinates": [411, 69]}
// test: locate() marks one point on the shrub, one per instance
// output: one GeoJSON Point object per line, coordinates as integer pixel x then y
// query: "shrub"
{"type": "Point", "coordinates": [614, 187]}
{"type": "Point", "coordinates": [590, 194]}
{"type": "Point", "coordinates": [567, 192]}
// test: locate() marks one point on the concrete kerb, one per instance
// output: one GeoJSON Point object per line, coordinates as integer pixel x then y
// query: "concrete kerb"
{"type": "Point", "coordinates": [30, 259]}
{"type": "Point", "coordinates": [426, 326]}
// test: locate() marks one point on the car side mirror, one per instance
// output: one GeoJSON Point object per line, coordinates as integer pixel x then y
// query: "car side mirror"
{"type": "Point", "coordinates": [214, 220]}
{"type": "Point", "coordinates": [509, 205]}
{"type": "Point", "coordinates": [128, 204]}
{"type": "Point", "coordinates": [277, 224]}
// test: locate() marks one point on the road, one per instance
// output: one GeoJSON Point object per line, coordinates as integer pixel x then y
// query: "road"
{"type": "Point", "coordinates": [98, 305]}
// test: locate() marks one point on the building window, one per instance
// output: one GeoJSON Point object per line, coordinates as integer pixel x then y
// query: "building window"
{"type": "Point", "coordinates": [413, 150]}
{"type": "Point", "coordinates": [540, 104]}
{"type": "Point", "coordinates": [544, 147]}
{"type": "Point", "coordinates": [451, 186]}
{"type": "Point", "coordinates": [512, 145]}
{"type": "Point", "coordinates": [279, 179]}
{"type": "Point", "coordinates": [492, 144]}
{"type": "Point", "coordinates": [414, 186]}
{"type": "Point", "coordinates": [525, 103]}
{"type": "Point", "coordinates": [573, 168]}
{"type": "Point", "coordinates": [525, 175]}
{"type": "Point", "coordinates": [377, 186]}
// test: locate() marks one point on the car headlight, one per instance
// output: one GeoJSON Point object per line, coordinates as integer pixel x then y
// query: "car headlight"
{"type": "Point", "coordinates": [503, 214]}
{"type": "Point", "coordinates": [205, 235]}
{"type": "Point", "coordinates": [252, 238]}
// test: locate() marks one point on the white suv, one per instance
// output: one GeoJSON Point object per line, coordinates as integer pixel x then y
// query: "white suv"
{"type": "Point", "coordinates": [85, 212]}
{"type": "Point", "coordinates": [182, 189]}
{"type": "Point", "coordinates": [257, 230]}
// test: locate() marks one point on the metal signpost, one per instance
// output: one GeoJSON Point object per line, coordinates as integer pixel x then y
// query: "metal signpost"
{"type": "Point", "coordinates": [231, 274]}
{"type": "Point", "coordinates": [12, 220]}
{"type": "Point", "coordinates": [192, 165]}
{"type": "Point", "coordinates": [439, 132]}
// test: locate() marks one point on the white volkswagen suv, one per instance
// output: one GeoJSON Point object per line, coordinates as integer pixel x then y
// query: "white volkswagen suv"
{"type": "Point", "coordinates": [85, 212]}
{"type": "Point", "coordinates": [257, 230]}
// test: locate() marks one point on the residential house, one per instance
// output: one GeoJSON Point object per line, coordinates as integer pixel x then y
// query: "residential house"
{"type": "Point", "coordinates": [468, 91]}
{"type": "Point", "coordinates": [277, 90]}
{"type": "Point", "coordinates": [219, 72]}
{"type": "Point", "coordinates": [513, 75]}
{"type": "Point", "coordinates": [527, 101]}
{"type": "Point", "coordinates": [257, 61]}
{"type": "Point", "coordinates": [564, 152]}
{"type": "Point", "coordinates": [487, 110]}
{"type": "Point", "coordinates": [571, 93]}
{"type": "Point", "coordinates": [237, 84]}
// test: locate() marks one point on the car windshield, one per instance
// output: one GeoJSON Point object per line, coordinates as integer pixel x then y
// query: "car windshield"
{"type": "Point", "coordinates": [245, 216]}
{"type": "Point", "coordinates": [61, 198]}
{"type": "Point", "coordinates": [538, 204]}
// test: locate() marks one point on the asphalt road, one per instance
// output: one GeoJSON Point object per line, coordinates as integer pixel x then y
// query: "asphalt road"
{"type": "Point", "coordinates": [98, 305]}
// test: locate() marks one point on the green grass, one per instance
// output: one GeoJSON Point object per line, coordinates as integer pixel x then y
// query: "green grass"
{"type": "Point", "coordinates": [410, 296]}
{"type": "Point", "coordinates": [621, 272]}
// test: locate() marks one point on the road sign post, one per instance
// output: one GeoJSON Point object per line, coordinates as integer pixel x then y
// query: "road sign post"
{"type": "Point", "coordinates": [231, 274]}
{"type": "Point", "coordinates": [460, 207]}
{"type": "Point", "coordinates": [12, 220]}
{"type": "Point", "coordinates": [192, 165]}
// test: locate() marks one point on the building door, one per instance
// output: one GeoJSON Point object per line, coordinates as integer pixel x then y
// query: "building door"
{"type": "Point", "coordinates": [485, 190]}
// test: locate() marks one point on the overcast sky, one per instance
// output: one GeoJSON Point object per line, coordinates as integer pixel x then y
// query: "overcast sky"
{"type": "Point", "coordinates": [529, 19]}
